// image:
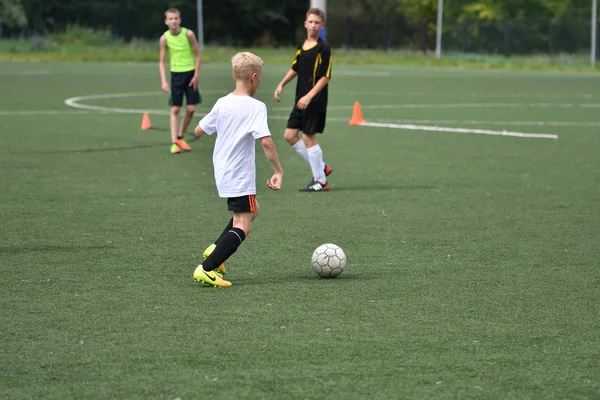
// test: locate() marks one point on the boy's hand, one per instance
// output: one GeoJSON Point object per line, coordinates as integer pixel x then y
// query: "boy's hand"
{"type": "Point", "coordinates": [165, 87]}
{"type": "Point", "coordinates": [194, 82]}
{"type": "Point", "coordinates": [275, 182]}
{"type": "Point", "coordinates": [304, 102]}
{"type": "Point", "coordinates": [278, 92]}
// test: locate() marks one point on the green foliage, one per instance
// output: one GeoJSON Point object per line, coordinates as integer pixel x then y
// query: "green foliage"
{"type": "Point", "coordinates": [13, 13]}
{"type": "Point", "coordinates": [421, 9]}
{"type": "Point", "coordinates": [243, 22]}
{"type": "Point", "coordinates": [79, 35]}
{"type": "Point", "coordinates": [483, 10]}
{"type": "Point", "coordinates": [143, 51]}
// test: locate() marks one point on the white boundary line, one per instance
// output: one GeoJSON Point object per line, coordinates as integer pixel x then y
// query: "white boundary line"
{"type": "Point", "coordinates": [44, 112]}
{"type": "Point", "coordinates": [484, 122]}
{"type": "Point", "coordinates": [75, 102]}
{"type": "Point", "coordinates": [466, 105]}
{"type": "Point", "coordinates": [458, 105]}
{"type": "Point", "coordinates": [470, 94]}
{"type": "Point", "coordinates": [461, 130]}
{"type": "Point", "coordinates": [84, 110]}
{"type": "Point", "coordinates": [23, 73]}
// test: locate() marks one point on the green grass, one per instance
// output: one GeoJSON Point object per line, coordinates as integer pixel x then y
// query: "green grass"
{"type": "Point", "coordinates": [472, 260]}
{"type": "Point", "coordinates": [144, 51]}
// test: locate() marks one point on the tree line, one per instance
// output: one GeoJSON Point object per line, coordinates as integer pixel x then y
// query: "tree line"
{"type": "Point", "coordinates": [273, 22]}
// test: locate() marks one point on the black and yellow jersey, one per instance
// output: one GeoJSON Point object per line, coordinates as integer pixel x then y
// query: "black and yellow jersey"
{"type": "Point", "coordinates": [310, 65]}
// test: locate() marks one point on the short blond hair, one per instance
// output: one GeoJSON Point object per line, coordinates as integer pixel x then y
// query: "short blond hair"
{"type": "Point", "coordinates": [316, 11]}
{"type": "Point", "coordinates": [172, 11]}
{"type": "Point", "coordinates": [244, 64]}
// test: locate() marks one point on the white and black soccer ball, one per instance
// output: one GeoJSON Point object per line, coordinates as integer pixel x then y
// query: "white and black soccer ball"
{"type": "Point", "coordinates": [329, 260]}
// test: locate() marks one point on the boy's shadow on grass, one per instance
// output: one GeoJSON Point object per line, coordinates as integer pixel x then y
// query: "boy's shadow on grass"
{"type": "Point", "coordinates": [308, 278]}
{"type": "Point", "coordinates": [382, 187]}
{"type": "Point", "coordinates": [188, 138]}
{"type": "Point", "coordinates": [48, 248]}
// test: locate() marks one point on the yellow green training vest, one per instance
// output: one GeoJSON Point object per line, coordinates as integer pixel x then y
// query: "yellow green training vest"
{"type": "Point", "coordinates": [181, 54]}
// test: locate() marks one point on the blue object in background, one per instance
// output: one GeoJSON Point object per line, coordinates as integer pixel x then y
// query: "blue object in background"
{"type": "Point", "coordinates": [322, 33]}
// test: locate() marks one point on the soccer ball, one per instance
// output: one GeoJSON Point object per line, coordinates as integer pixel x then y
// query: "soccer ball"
{"type": "Point", "coordinates": [328, 260]}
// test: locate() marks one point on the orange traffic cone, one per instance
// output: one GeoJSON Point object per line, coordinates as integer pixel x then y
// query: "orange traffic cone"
{"type": "Point", "coordinates": [146, 124]}
{"type": "Point", "coordinates": [357, 117]}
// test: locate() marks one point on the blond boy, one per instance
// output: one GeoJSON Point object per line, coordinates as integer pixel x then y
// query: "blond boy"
{"type": "Point", "coordinates": [238, 119]}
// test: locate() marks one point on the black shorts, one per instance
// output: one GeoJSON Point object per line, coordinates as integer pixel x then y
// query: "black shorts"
{"type": "Point", "coordinates": [242, 204]}
{"type": "Point", "coordinates": [180, 85]}
{"type": "Point", "coordinates": [309, 121]}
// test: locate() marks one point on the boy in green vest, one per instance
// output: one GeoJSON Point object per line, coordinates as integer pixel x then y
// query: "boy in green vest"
{"type": "Point", "coordinates": [184, 57]}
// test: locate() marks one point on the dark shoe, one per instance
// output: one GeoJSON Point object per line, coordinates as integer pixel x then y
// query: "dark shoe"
{"type": "Point", "coordinates": [327, 169]}
{"type": "Point", "coordinates": [315, 186]}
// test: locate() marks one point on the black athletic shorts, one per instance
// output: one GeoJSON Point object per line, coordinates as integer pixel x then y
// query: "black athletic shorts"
{"type": "Point", "coordinates": [309, 121]}
{"type": "Point", "coordinates": [242, 204]}
{"type": "Point", "coordinates": [180, 85]}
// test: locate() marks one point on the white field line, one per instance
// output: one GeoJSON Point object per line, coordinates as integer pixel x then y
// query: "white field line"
{"type": "Point", "coordinates": [457, 105]}
{"type": "Point", "coordinates": [45, 112]}
{"type": "Point", "coordinates": [75, 102]}
{"type": "Point", "coordinates": [106, 110]}
{"type": "Point", "coordinates": [469, 94]}
{"type": "Point", "coordinates": [461, 130]}
{"type": "Point", "coordinates": [484, 122]}
{"type": "Point", "coordinates": [23, 73]}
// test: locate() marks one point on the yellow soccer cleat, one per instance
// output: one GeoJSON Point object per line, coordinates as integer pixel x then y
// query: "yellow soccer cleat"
{"type": "Point", "coordinates": [221, 268]}
{"type": "Point", "coordinates": [209, 250]}
{"type": "Point", "coordinates": [210, 277]}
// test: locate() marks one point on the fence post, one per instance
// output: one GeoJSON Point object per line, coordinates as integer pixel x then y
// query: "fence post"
{"type": "Point", "coordinates": [386, 36]}
{"type": "Point", "coordinates": [348, 31]}
{"type": "Point", "coordinates": [465, 36]}
{"type": "Point", "coordinates": [593, 33]}
{"type": "Point", "coordinates": [551, 39]}
{"type": "Point", "coordinates": [506, 38]}
{"type": "Point", "coordinates": [424, 36]}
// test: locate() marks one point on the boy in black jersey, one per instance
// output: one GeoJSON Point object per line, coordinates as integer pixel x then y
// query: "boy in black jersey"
{"type": "Point", "coordinates": [312, 65]}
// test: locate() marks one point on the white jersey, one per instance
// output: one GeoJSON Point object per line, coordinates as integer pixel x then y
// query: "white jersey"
{"type": "Point", "coordinates": [238, 121]}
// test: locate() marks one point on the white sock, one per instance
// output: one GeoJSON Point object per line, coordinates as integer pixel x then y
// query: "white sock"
{"type": "Point", "coordinates": [315, 154]}
{"type": "Point", "coordinates": [300, 148]}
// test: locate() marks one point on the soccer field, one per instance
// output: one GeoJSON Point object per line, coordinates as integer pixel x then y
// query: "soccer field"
{"type": "Point", "coordinates": [468, 208]}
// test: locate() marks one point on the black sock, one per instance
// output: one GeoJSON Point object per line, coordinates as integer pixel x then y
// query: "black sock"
{"type": "Point", "coordinates": [227, 229]}
{"type": "Point", "coordinates": [228, 245]}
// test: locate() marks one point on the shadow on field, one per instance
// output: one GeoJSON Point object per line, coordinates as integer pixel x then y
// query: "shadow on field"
{"type": "Point", "coordinates": [367, 187]}
{"type": "Point", "coordinates": [188, 138]}
{"type": "Point", "coordinates": [49, 248]}
{"type": "Point", "coordinates": [308, 278]}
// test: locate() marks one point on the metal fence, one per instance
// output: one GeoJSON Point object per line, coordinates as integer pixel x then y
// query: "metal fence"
{"type": "Point", "coordinates": [502, 37]}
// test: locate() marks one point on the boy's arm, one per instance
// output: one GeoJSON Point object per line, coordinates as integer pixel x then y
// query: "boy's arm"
{"type": "Point", "coordinates": [198, 131]}
{"type": "Point", "coordinates": [291, 74]}
{"type": "Point", "coordinates": [307, 98]}
{"type": "Point", "coordinates": [271, 152]}
{"type": "Point", "coordinates": [196, 48]}
{"type": "Point", "coordinates": [161, 64]}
